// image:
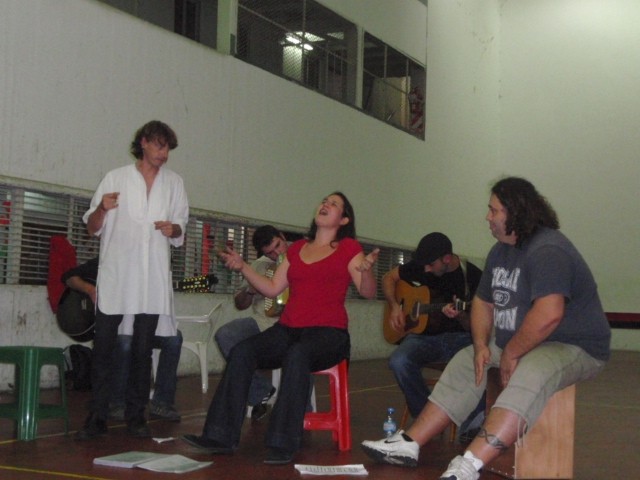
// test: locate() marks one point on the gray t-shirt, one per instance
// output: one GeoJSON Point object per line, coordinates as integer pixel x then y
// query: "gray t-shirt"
{"type": "Point", "coordinates": [546, 264]}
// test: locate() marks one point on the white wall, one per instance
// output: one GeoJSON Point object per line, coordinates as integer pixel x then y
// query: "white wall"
{"type": "Point", "coordinates": [546, 89]}
{"type": "Point", "coordinates": [251, 144]}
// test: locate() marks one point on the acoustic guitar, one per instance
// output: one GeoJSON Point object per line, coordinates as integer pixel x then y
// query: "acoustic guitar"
{"type": "Point", "coordinates": [415, 308]}
{"type": "Point", "coordinates": [273, 307]}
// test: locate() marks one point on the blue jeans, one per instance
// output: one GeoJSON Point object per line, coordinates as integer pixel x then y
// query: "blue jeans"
{"type": "Point", "coordinates": [411, 356]}
{"type": "Point", "coordinates": [102, 369]}
{"type": "Point", "coordinates": [227, 337]}
{"type": "Point", "coordinates": [164, 392]}
{"type": "Point", "coordinates": [299, 352]}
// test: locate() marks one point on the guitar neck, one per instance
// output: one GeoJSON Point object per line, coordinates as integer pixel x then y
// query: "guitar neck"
{"type": "Point", "coordinates": [201, 283]}
{"type": "Point", "coordinates": [420, 309]}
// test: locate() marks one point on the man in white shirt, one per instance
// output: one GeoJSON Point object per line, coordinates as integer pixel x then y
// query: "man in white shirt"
{"type": "Point", "coordinates": [138, 211]}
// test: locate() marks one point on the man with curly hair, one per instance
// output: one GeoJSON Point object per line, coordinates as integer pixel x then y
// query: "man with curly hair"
{"type": "Point", "coordinates": [536, 316]}
{"type": "Point", "coordinates": [138, 211]}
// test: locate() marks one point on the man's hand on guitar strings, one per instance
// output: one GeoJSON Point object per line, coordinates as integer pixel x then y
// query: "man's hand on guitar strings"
{"type": "Point", "coordinates": [450, 311]}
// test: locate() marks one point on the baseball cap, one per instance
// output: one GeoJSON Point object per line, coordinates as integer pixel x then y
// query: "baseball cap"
{"type": "Point", "coordinates": [432, 247]}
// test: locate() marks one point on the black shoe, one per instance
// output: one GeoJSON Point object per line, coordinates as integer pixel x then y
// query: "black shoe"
{"type": "Point", "coordinates": [278, 456]}
{"type": "Point", "coordinates": [93, 427]}
{"type": "Point", "coordinates": [138, 429]}
{"type": "Point", "coordinates": [259, 411]}
{"type": "Point", "coordinates": [162, 411]}
{"type": "Point", "coordinates": [207, 445]}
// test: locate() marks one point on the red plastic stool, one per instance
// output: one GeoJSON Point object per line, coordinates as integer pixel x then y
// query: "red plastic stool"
{"type": "Point", "coordinates": [338, 419]}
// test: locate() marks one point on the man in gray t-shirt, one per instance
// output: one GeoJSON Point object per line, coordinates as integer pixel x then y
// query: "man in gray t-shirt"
{"type": "Point", "coordinates": [536, 316]}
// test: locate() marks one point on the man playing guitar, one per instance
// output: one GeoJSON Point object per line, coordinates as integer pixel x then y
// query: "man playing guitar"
{"type": "Point", "coordinates": [435, 338]}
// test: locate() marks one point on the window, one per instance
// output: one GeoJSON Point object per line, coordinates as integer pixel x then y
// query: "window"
{"type": "Point", "coordinates": [302, 41]}
{"type": "Point", "coordinates": [29, 217]}
{"type": "Point", "coordinates": [307, 43]}
{"type": "Point", "coordinates": [187, 19]}
{"type": "Point", "coordinates": [393, 86]}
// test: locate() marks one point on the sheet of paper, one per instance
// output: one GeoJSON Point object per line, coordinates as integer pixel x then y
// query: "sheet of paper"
{"type": "Point", "coordinates": [332, 469]}
{"type": "Point", "coordinates": [127, 459]}
{"type": "Point", "coordinates": [173, 464]}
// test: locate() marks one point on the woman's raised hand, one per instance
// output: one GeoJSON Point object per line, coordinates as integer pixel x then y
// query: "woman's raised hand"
{"type": "Point", "coordinates": [232, 259]}
{"type": "Point", "coordinates": [368, 261]}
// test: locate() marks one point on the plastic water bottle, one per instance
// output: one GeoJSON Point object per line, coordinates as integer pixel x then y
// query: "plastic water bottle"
{"type": "Point", "coordinates": [389, 426]}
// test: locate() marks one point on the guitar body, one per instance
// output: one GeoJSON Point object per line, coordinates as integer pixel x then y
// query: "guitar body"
{"type": "Point", "coordinates": [76, 315]}
{"type": "Point", "coordinates": [407, 295]}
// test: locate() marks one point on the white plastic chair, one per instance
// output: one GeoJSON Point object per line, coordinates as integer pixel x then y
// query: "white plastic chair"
{"type": "Point", "coordinates": [198, 347]}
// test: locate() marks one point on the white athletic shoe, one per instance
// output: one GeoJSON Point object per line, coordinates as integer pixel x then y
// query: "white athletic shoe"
{"type": "Point", "coordinates": [460, 468]}
{"type": "Point", "coordinates": [394, 450]}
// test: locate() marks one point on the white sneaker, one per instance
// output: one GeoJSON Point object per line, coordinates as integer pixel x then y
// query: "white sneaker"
{"type": "Point", "coordinates": [394, 450]}
{"type": "Point", "coordinates": [460, 468]}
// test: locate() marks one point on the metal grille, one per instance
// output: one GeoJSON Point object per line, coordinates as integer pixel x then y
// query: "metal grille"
{"type": "Point", "coordinates": [29, 217]}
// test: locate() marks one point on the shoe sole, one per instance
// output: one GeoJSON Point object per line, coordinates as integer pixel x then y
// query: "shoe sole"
{"type": "Point", "coordinates": [382, 457]}
{"type": "Point", "coordinates": [257, 418]}
{"type": "Point", "coordinates": [210, 450]}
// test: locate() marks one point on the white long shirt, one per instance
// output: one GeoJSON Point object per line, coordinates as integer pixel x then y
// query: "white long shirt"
{"type": "Point", "coordinates": [134, 275]}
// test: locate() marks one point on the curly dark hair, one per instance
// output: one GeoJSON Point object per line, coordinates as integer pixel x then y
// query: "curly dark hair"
{"type": "Point", "coordinates": [526, 208]}
{"type": "Point", "coordinates": [153, 130]}
{"type": "Point", "coordinates": [348, 230]}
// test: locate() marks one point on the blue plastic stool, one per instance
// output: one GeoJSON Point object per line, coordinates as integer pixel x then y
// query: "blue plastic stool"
{"type": "Point", "coordinates": [27, 409]}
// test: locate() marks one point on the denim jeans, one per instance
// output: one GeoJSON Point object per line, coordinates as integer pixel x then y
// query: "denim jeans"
{"type": "Point", "coordinates": [299, 352]}
{"type": "Point", "coordinates": [227, 337]}
{"type": "Point", "coordinates": [411, 356]}
{"type": "Point", "coordinates": [139, 381]}
{"type": "Point", "coordinates": [164, 391]}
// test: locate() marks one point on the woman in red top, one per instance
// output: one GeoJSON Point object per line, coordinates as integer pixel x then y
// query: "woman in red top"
{"type": "Point", "coordinates": [311, 334]}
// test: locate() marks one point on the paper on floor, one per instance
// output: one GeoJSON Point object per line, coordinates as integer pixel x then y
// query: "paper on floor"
{"type": "Point", "coordinates": [332, 469]}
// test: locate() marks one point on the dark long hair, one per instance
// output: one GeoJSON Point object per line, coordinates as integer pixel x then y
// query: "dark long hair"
{"type": "Point", "coordinates": [348, 230]}
{"type": "Point", "coordinates": [527, 210]}
{"type": "Point", "coordinates": [154, 130]}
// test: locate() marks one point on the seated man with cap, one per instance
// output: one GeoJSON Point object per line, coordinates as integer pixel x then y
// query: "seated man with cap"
{"type": "Point", "coordinates": [447, 330]}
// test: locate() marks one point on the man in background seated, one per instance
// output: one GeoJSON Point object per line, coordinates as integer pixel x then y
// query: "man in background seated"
{"type": "Point", "coordinates": [447, 277]}
{"type": "Point", "coordinates": [270, 242]}
{"type": "Point", "coordinates": [168, 339]}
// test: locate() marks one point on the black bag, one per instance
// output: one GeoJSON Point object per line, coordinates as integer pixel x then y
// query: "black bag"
{"type": "Point", "coordinates": [76, 315]}
{"type": "Point", "coordinates": [80, 371]}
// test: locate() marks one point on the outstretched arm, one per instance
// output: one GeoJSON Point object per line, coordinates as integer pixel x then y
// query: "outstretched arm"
{"type": "Point", "coordinates": [269, 287]}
